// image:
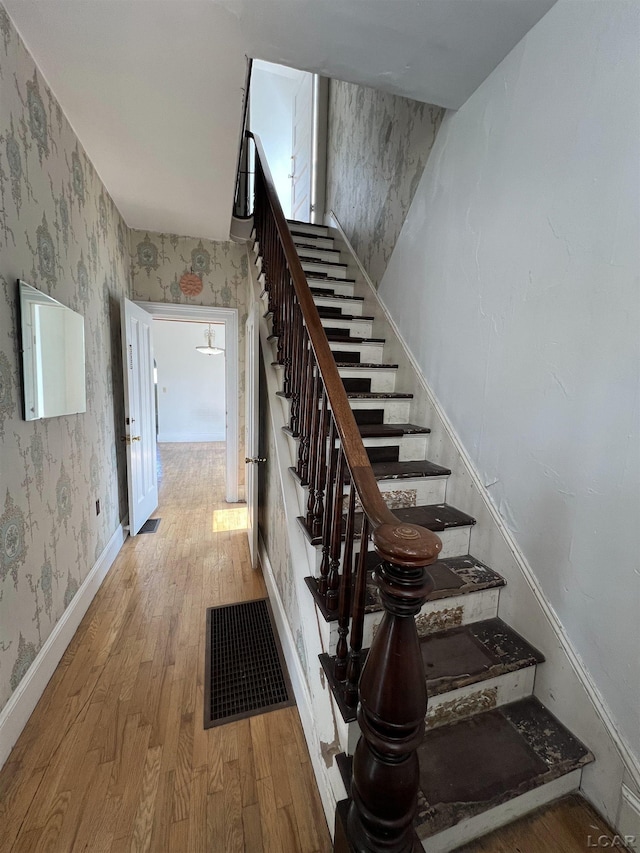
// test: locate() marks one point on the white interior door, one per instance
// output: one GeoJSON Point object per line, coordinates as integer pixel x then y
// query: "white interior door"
{"type": "Point", "coordinates": [302, 150]}
{"type": "Point", "coordinates": [139, 409]}
{"type": "Point", "coordinates": [252, 436]}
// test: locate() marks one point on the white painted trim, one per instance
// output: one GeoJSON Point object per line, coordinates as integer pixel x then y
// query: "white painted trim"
{"type": "Point", "coordinates": [298, 682]}
{"type": "Point", "coordinates": [228, 316]}
{"type": "Point", "coordinates": [23, 700]}
{"type": "Point", "coordinates": [628, 821]}
{"type": "Point", "coordinates": [624, 750]}
{"type": "Point", "coordinates": [177, 437]}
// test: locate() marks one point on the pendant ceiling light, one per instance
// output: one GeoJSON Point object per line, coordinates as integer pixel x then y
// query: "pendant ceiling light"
{"type": "Point", "coordinates": [210, 349]}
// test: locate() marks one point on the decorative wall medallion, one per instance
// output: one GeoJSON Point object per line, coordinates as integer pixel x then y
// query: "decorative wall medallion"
{"type": "Point", "coordinates": [13, 158]}
{"type": "Point", "coordinates": [63, 209]}
{"type": "Point", "coordinates": [37, 117]}
{"type": "Point", "coordinates": [103, 219]}
{"type": "Point", "coordinates": [36, 450]}
{"type": "Point", "coordinates": [83, 280]}
{"type": "Point", "coordinates": [147, 253]}
{"type": "Point", "coordinates": [12, 540]}
{"type": "Point", "coordinates": [191, 284]}
{"type": "Point", "coordinates": [26, 656]}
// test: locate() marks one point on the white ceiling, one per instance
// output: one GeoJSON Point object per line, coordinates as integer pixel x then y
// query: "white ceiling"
{"type": "Point", "coordinates": [153, 88]}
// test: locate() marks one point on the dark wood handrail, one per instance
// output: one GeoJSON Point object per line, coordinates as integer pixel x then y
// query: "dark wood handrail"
{"type": "Point", "coordinates": [401, 543]}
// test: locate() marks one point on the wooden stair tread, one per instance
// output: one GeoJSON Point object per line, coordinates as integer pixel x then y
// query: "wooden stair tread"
{"type": "Point", "coordinates": [451, 576]}
{"type": "Point", "coordinates": [323, 294]}
{"type": "Point", "coordinates": [490, 758]}
{"type": "Point", "coordinates": [458, 657]}
{"type": "Point", "coordinates": [322, 277]}
{"type": "Point", "coordinates": [391, 430]}
{"type": "Point", "coordinates": [366, 365]}
{"type": "Point", "coordinates": [327, 313]}
{"type": "Point", "coordinates": [405, 470]}
{"type": "Point", "coordinates": [336, 337]}
{"type": "Point", "coordinates": [471, 653]}
{"type": "Point", "coordinates": [471, 766]}
{"type": "Point", "coordinates": [313, 261]}
{"type": "Point", "coordinates": [379, 395]}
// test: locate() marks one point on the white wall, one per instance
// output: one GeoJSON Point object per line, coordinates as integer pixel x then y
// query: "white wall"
{"type": "Point", "coordinates": [271, 117]}
{"type": "Point", "coordinates": [191, 386]}
{"type": "Point", "coordinates": [515, 283]}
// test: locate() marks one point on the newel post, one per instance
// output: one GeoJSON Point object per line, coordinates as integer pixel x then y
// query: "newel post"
{"type": "Point", "coordinates": [393, 698]}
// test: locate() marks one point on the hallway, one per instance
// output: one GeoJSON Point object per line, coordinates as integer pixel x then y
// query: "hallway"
{"type": "Point", "coordinates": [115, 756]}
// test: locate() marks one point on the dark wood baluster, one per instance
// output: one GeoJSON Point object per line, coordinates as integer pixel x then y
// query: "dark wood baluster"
{"type": "Point", "coordinates": [322, 465]}
{"type": "Point", "coordinates": [279, 274]}
{"type": "Point", "coordinates": [346, 583]}
{"type": "Point", "coordinates": [288, 338]}
{"type": "Point", "coordinates": [305, 426]}
{"type": "Point", "coordinates": [333, 580]}
{"type": "Point", "coordinates": [330, 466]}
{"type": "Point", "coordinates": [393, 704]}
{"type": "Point", "coordinates": [354, 664]}
{"type": "Point", "coordinates": [296, 369]}
{"type": "Point", "coordinates": [314, 445]}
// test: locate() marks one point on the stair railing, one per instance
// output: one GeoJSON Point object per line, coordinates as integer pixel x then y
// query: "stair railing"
{"type": "Point", "coordinates": [390, 687]}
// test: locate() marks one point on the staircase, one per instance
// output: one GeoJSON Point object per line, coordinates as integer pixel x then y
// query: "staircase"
{"type": "Point", "coordinates": [490, 751]}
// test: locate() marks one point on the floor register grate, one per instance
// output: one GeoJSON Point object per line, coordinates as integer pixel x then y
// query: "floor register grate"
{"type": "Point", "coordinates": [245, 671]}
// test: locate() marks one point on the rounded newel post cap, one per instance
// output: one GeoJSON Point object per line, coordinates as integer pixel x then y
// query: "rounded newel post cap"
{"type": "Point", "coordinates": [407, 545]}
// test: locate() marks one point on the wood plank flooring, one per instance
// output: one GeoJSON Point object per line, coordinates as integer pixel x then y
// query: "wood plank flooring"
{"type": "Point", "coordinates": [115, 757]}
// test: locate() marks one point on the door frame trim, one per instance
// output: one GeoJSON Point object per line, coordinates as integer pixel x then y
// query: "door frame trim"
{"type": "Point", "coordinates": [228, 316]}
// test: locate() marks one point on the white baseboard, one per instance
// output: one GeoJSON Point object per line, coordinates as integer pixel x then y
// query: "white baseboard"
{"type": "Point", "coordinates": [23, 700]}
{"type": "Point", "coordinates": [189, 436]}
{"type": "Point", "coordinates": [600, 708]}
{"type": "Point", "coordinates": [628, 822]}
{"type": "Point", "coordinates": [299, 685]}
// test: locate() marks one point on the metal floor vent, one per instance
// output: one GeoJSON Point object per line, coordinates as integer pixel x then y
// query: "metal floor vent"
{"type": "Point", "coordinates": [150, 525]}
{"type": "Point", "coordinates": [245, 671]}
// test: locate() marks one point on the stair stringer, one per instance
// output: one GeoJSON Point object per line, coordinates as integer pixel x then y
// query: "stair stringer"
{"type": "Point", "coordinates": [311, 690]}
{"type": "Point", "coordinates": [563, 684]}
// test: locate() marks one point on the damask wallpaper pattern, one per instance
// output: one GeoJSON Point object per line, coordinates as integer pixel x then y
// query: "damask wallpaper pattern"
{"type": "Point", "coordinates": [61, 232]}
{"type": "Point", "coordinates": [377, 148]}
{"type": "Point", "coordinates": [164, 268]}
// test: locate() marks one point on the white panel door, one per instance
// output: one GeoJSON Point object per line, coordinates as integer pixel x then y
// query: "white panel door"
{"type": "Point", "coordinates": [252, 435]}
{"type": "Point", "coordinates": [139, 409]}
{"type": "Point", "coordinates": [302, 150]}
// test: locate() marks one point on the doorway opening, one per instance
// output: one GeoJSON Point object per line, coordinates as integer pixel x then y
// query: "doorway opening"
{"type": "Point", "coordinates": [183, 372]}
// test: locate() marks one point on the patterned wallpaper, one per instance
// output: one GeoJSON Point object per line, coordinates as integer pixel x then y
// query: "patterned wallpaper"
{"type": "Point", "coordinates": [187, 271]}
{"type": "Point", "coordinates": [61, 232]}
{"type": "Point", "coordinates": [378, 145]}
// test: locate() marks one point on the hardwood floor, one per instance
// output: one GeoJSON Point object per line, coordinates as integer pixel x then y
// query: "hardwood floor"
{"type": "Point", "coordinates": [115, 756]}
{"type": "Point", "coordinates": [569, 825]}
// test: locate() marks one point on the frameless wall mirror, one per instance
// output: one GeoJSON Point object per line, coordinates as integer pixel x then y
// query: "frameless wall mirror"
{"type": "Point", "coordinates": [53, 368]}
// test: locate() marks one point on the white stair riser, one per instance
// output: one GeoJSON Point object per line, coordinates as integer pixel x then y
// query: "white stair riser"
{"type": "Point", "coordinates": [465, 831]}
{"type": "Point", "coordinates": [356, 328]}
{"type": "Point", "coordinates": [348, 306]}
{"type": "Point", "coordinates": [370, 352]}
{"type": "Point", "coordinates": [410, 446]}
{"type": "Point", "coordinates": [308, 228]}
{"type": "Point", "coordinates": [331, 255]}
{"type": "Point", "coordinates": [311, 267]}
{"type": "Point", "coordinates": [339, 288]}
{"type": "Point", "coordinates": [455, 705]}
{"type": "Point", "coordinates": [395, 411]}
{"type": "Point", "coordinates": [410, 491]}
{"type": "Point", "coordinates": [381, 380]}
{"type": "Point", "coordinates": [441, 614]}
{"type": "Point", "coordinates": [310, 240]}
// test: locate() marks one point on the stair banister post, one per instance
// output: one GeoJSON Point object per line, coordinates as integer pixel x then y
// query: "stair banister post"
{"type": "Point", "coordinates": [393, 700]}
